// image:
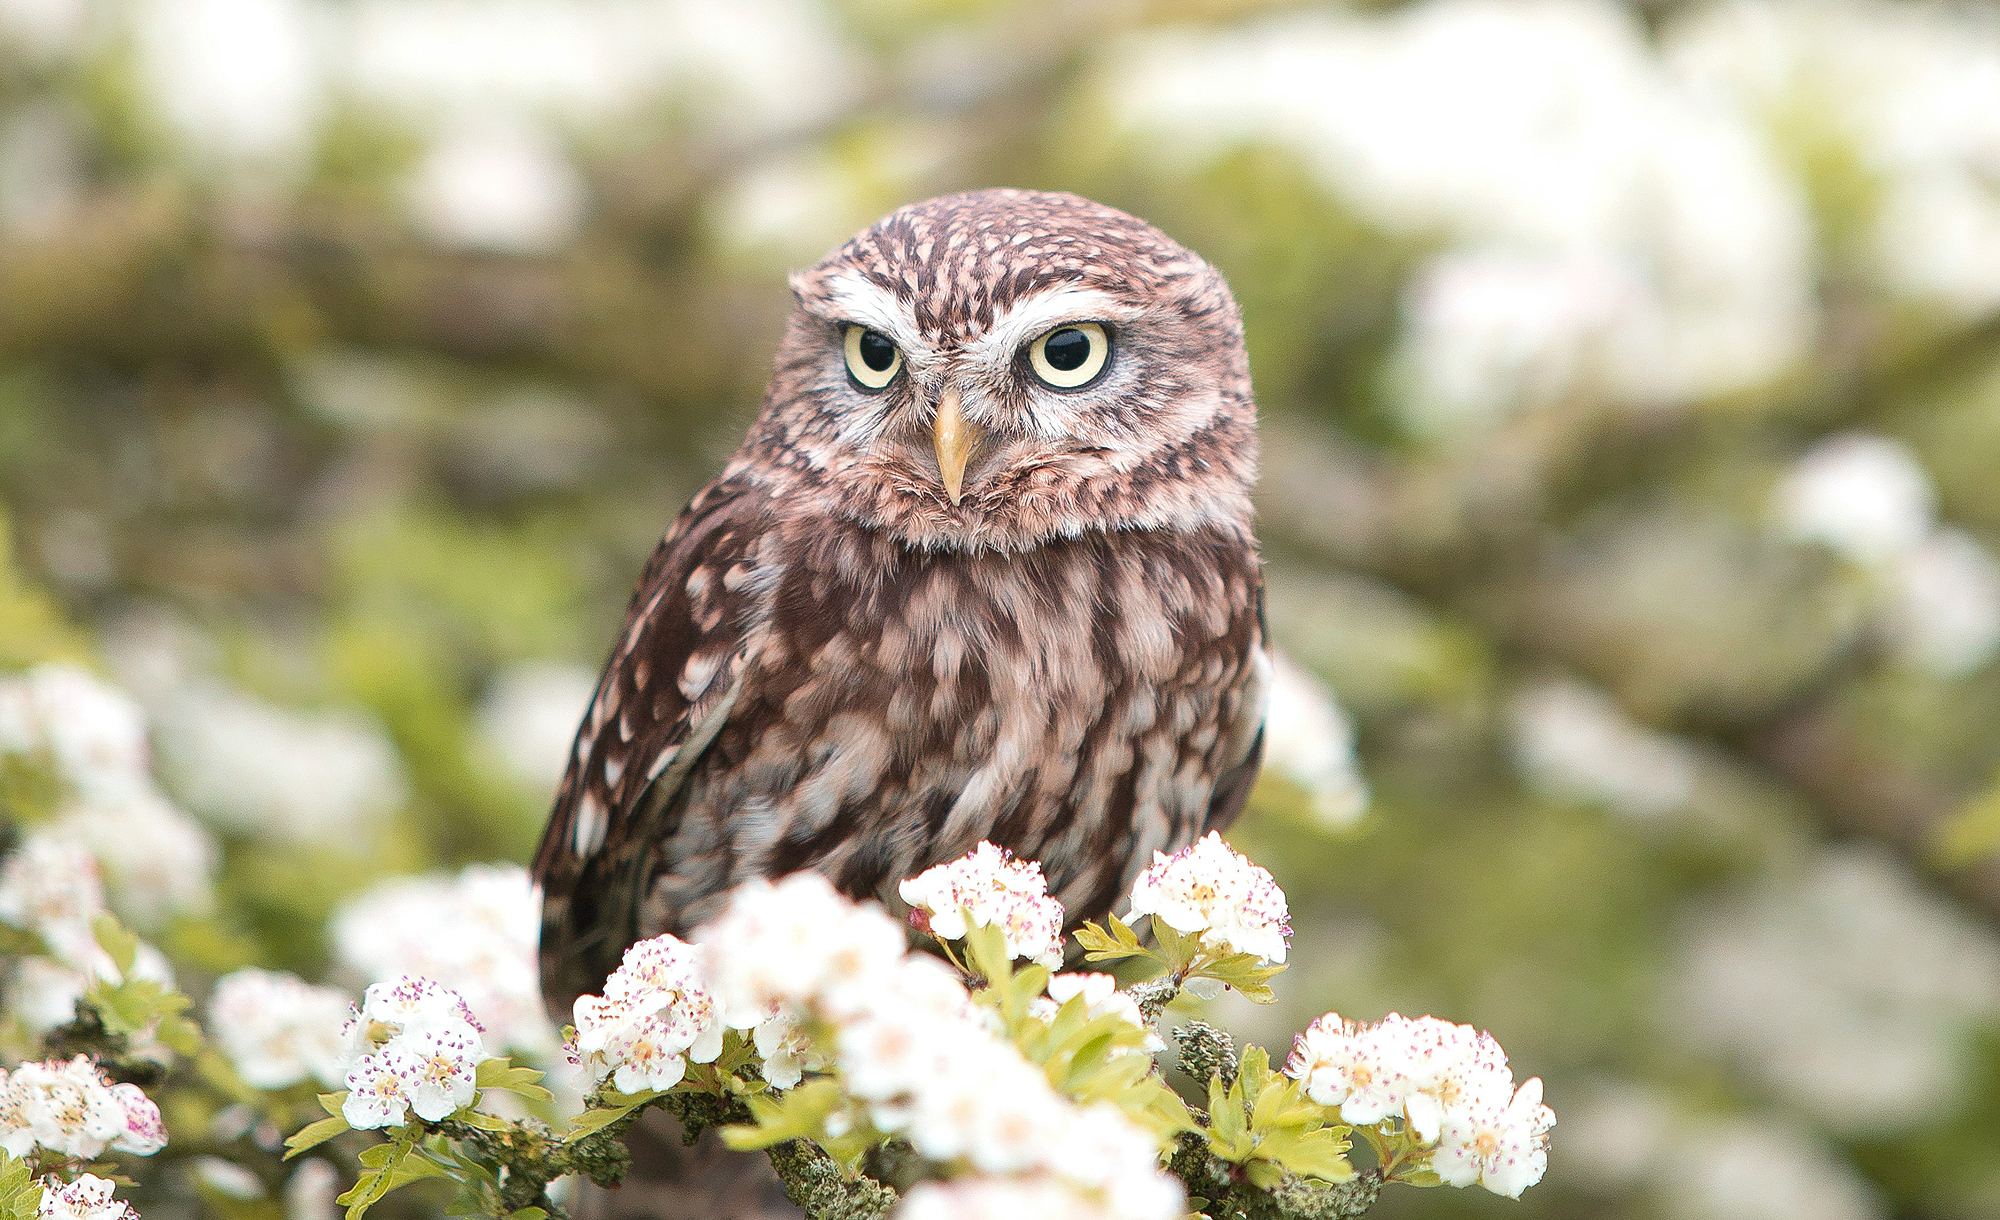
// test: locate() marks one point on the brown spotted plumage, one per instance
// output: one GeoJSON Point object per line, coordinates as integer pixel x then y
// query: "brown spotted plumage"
{"type": "Point", "coordinates": [834, 662]}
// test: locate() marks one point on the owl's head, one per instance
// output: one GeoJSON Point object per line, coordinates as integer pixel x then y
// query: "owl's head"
{"type": "Point", "coordinates": [999, 368]}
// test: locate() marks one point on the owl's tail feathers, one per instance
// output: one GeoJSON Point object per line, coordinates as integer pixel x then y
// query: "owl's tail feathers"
{"type": "Point", "coordinates": [672, 1181]}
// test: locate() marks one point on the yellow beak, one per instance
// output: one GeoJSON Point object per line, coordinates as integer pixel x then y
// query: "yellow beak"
{"type": "Point", "coordinates": [956, 437]}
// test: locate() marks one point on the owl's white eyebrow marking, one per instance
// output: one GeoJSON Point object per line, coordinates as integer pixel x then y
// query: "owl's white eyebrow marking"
{"type": "Point", "coordinates": [1030, 317]}
{"type": "Point", "coordinates": [860, 300]}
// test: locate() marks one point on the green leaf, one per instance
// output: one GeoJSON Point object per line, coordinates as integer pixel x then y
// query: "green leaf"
{"type": "Point", "coordinates": [332, 1103]}
{"type": "Point", "coordinates": [1245, 972]}
{"type": "Point", "coordinates": [1111, 944]}
{"type": "Point", "coordinates": [1319, 1154]}
{"type": "Point", "coordinates": [798, 1114]}
{"type": "Point", "coordinates": [986, 949]}
{"type": "Point", "coordinates": [121, 945]}
{"type": "Point", "coordinates": [315, 1134]}
{"type": "Point", "coordinates": [503, 1075]}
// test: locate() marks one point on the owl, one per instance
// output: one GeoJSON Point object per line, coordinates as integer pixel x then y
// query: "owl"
{"type": "Point", "coordinates": [982, 569]}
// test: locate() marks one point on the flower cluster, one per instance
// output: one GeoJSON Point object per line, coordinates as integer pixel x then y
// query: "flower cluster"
{"type": "Point", "coordinates": [51, 886]}
{"type": "Point", "coordinates": [95, 737]}
{"type": "Point", "coordinates": [988, 886]}
{"type": "Point", "coordinates": [653, 1018]}
{"type": "Point", "coordinates": [87, 1198]}
{"type": "Point", "coordinates": [492, 911]}
{"type": "Point", "coordinates": [413, 1045]}
{"type": "Point", "coordinates": [72, 1109]}
{"type": "Point", "coordinates": [1449, 1083]}
{"type": "Point", "coordinates": [997, 1199]}
{"type": "Point", "coordinates": [1212, 889]}
{"type": "Point", "coordinates": [916, 1053]}
{"type": "Point", "coordinates": [278, 1029]}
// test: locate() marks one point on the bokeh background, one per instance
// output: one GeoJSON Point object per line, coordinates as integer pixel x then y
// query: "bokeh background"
{"type": "Point", "coordinates": [1630, 378]}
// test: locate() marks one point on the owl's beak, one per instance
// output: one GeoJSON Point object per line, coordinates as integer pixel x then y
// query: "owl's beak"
{"type": "Point", "coordinates": [956, 437]}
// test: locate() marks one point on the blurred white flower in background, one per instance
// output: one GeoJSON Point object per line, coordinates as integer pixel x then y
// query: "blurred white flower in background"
{"type": "Point", "coordinates": [748, 68]}
{"type": "Point", "coordinates": [277, 1028]}
{"type": "Point", "coordinates": [94, 732]}
{"type": "Point", "coordinates": [51, 886]}
{"type": "Point", "coordinates": [1936, 588]}
{"type": "Point", "coordinates": [159, 862]}
{"type": "Point", "coordinates": [497, 185]}
{"type": "Point", "coordinates": [1545, 129]}
{"type": "Point", "coordinates": [475, 933]}
{"type": "Point", "coordinates": [273, 772]}
{"type": "Point", "coordinates": [1913, 90]}
{"type": "Point", "coordinates": [234, 77]}
{"type": "Point", "coordinates": [1574, 743]}
{"type": "Point", "coordinates": [1865, 497]}
{"type": "Point", "coordinates": [1488, 332]}
{"type": "Point", "coordinates": [1849, 992]}
{"type": "Point", "coordinates": [1943, 611]}
{"type": "Point", "coordinates": [529, 716]}
{"type": "Point", "coordinates": [46, 28]}
{"type": "Point", "coordinates": [1309, 740]}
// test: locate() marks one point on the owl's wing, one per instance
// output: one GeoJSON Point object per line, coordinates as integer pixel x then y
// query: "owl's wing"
{"type": "Point", "coordinates": [667, 689]}
{"type": "Point", "coordinates": [1246, 733]}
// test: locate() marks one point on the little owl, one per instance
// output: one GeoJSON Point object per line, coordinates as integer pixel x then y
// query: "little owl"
{"type": "Point", "coordinates": [983, 569]}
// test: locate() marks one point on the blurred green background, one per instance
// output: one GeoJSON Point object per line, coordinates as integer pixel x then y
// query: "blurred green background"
{"type": "Point", "coordinates": [1631, 387]}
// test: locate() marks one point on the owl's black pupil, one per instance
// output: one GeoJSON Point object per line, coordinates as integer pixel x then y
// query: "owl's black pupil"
{"type": "Point", "coordinates": [877, 352]}
{"type": "Point", "coordinates": [1067, 349]}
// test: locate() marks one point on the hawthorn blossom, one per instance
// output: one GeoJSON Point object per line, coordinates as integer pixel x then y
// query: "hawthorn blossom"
{"type": "Point", "coordinates": [982, 1198]}
{"type": "Point", "coordinates": [1501, 1142]}
{"type": "Point", "coordinates": [909, 1044]}
{"type": "Point", "coordinates": [654, 1018]}
{"type": "Point", "coordinates": [412, 1045]}
{"type": "Point", "coordinates": [1210, 888]}
{"type": "Point", "coordinates": [277, 1028]}
{"type": "Point", "coordinates": [71, 1108]}
{"type": "Point", "coordinates": [160, 861]}
{"type": "Point", "coordinates": [52, 887]}
{"type": "Point", "coordinates": [488, 956]}
{"type": "Point", "coordinates": [1101, 995]}
{"type": "Point", "coordinates": [1352, 1067]}
{"type": "Point", "coordinates": [93, 731]}
{"type": "Point", "coordinates": [87, 1198]}
{"type": "Point", "coordinates": [785, 1048]}
{"type": "Point", "coordinates": [796, 941]}
{"type": "Point", "coordinates": [378, 1088]}
{"type": "Point", "coordinates": [989, 886]}
{"type": "Point", "coordinates": [1865, 497]}
{"type": "Point", "coordinates": [1450, 1068]}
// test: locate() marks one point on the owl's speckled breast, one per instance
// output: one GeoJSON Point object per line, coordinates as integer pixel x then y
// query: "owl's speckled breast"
{"type": "Point", "coordinates": [905, 704]}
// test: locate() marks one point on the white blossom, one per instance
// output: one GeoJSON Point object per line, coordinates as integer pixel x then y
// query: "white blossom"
{"type": "Point", "coordinates": [411, 1045]}
{"type": "Point", "coordinates": [235, 78]}
{"type": "Point", "coordinates": [786, 1050]}
{"type": "Point", "coordinates": [1212, 889]}
{"type": "Point", "coordinates": [908, 1043]}
{"type": "Point", "coordinates": [497, 185]}
{"type": "Point", "coordinates": [654, 1017]}
{"type": "Point", "coordinates": [159, 861]}
{"type": "Point", "coordinates": [1943, 611]}
{"type": "Point", "coordinates": [1910, 93]}
{"type": "Point", "coordinates": [1352, 1067]}
{"type": "Point", "coordinates": [1883, 985]}
{"type": "Point", "coordinates": [251, 766]}
{"type": "Point", "coordinates": [1502, 1146]}
{"type": "Point", "coordinates": [796, 942]}
{"type": "Point", "coordinates": [71, 1108]}
{"type": "Point", "coordinates": [528, 717]}
{"type": "Point", "coordinates": [475, 933]}
{"type": "Point", "coordinates": [94, 732]}
{"type": "Point", "coordinates": [1573, 743]}
{"type": "Point", "coordinates": [1450, 1083]}
{"type": "Point", "coordinates": [1308, 740]}
{"type": "Point", "coordinates": [278, 1029]}
{"type": "Point", "coordinates": [986, 1198]}
{"type": "Point", "coordinates": [87, 1198]}
{"type": "Point", "coordinates": [52, 887]}
{"type": "Point", "coordinates": [988, 886]}
{"type": "Point", "coordinates": [43, 991]}
{"type": "Point", "coordinates": [1865, 497]}
{"type": "Point", "coordinates": [1673, 252]}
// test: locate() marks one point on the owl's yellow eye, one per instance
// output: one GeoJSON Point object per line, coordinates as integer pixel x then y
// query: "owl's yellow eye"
{"type": "Point", "coordinates": [871, 358]}
{"type": "Point", "coordinates": [1070, 356]}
